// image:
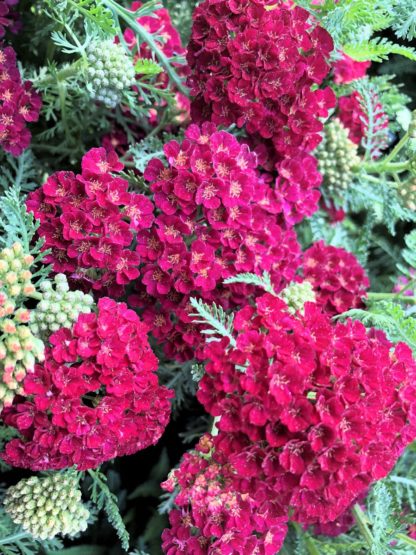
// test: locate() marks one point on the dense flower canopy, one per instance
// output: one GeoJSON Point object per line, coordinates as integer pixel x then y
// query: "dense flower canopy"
{"type": "Point", "coordinates": [215, 217]}
{"type": "Point", "coordinates": [94, 398]}
{"type": "Point", "coordinates": [258, 68]}
{"type": "Point", "coordinates": [218, 512]}
{"type": "Point", "coordinates": [321, 409]}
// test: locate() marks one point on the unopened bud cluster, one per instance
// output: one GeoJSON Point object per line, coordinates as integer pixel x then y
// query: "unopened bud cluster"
{"type": "Point", "coordinates": [296, 295]}
{"type": "Point", "coordinates": [47, 506]}
{"type": "Point", "coordinates": [110, 72]}
{"type": "Point", "coordinates": [337, 157]}
{"type": "Point", "coordinates": [19, 349]}
{"type": "Point", "coordinates": [407, 193]}
{"type": "Point", "coordinates": [15, 274]}
{"type": "Point", "coordinates": [58, 308]}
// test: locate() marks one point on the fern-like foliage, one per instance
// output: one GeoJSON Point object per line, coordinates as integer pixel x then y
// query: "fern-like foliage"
{"type": "Point", "coordinates": [96, 12]}
{"type": "Point", "coordinates": [408, 255]}
{"type": "Point", "coordinates": [218, 321]}
{"type": "Point", "coordinates": [377, 50]}
{"type": "Point", "coordinates": [263, 281]}
{"type": "Point", "coordinates": [17, 224]}
{"type": "Point", "coordinates": [144, 66]}
{"type": "Point", "coordinates": [383, 515]}
{"type": "Point", "coordinates": [403, 480]}
{"type": "Point", "coordinates": [404, 23]}
{"type": "Point", "coordinates": [105, 500]}
{"type": "Point", "coordinates": [376, 132]}
{"type": "Point", "coordinates": [20, 172]}
{"type": "Point", "coordinates": [353, 23]}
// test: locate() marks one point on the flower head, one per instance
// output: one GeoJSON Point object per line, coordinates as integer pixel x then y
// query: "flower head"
{"type": "Point", "coordinates": [95, 397]}
{"type": "Point", "coordinates": [315, 410]}
{"type": "Point", "coordinates": [338, 279]}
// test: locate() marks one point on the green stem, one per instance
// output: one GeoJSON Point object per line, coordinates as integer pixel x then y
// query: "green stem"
{"type": "Point", "coordinates": [14, 538]}
{"type": "Point", "coordinates": [401, 144]}
{"type": "Point", "coordinates": [385, 167]}
{"type": "Point", "coordinates": [388, 297]}
{"type": "Point", "coordinates": [406, 539]}
{"type": "Point", "coordinates": [361, 520]}
{"type": "Point", "coordinates": [146, 37]}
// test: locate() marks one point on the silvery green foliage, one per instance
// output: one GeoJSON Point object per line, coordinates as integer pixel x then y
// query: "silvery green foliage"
{"type": "Point", "coordinates": [47, 506]}
{"type": "Point", "coordinates": [58, 308]}
{"type": "Point", "coordinates": [110, 72]}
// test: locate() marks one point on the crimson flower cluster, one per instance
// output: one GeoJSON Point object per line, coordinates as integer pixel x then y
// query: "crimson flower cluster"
{"type": "Point", "coordinates": [338, 279]}
{"type": "Point", "coordinates": [352, 115]}
{"type": "Point", "coordinates": [159, 24]}
{"type": "Point", "coordinates": [216, 218]}
{"type": "Point", "coordinates": [19, 104]}
{"type": "Point", "coordinates": [320, 409]}
{"type": "Point", "coordinates": [346, 69]}
{"type": "Point", "coordinates": [8, 19]}
{"type": "Point", "coordinates": [89, 221]}
{"type": "Point", "coordinates": [218, 513]}
{"type": "Point", "coordinates": [96, 397]}
{"type": "Point", "coordinates": [259, 68]}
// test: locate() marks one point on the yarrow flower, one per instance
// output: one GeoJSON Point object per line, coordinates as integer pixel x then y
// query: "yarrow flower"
{"type": "Point", "coordinates": [19, 105]}
{"type": "Point", "coordinates": [90, 221]}
{"type": "Point", "coordinates": [259, 68]}
{"type": "Point", "coordinates": [47, 506]}
{"type": "Point", "coordinates": [96, 397]}
{"type": "Point", "coordinates": [353, 117]}
{"type": "Point", "coordinates": [218, 512]}
{"type": "Point", "coordinates": [311, 410]}
{"type": "Point", "coordinates": [338, 279]}
{"type": "Point", "coordinates": [8, 18]}
{"type": "Point", "coordinates": [216, 218]}
{"type": "Point", "coordinates": [347, 70]}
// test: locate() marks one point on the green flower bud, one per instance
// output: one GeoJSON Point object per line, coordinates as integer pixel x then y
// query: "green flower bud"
{"type": "Point", "coordinates": [110, 72]}
{"type": "Point", "coordinates": [337, 158]}
{"type": "Point", "coordinates": [58, 308]}
{"type": "Point", "coordinates": [47, 506]}
{"type": "Point", "coordinates": [296, 295]}
{"type": "Point", "coordinates": [407, 193]}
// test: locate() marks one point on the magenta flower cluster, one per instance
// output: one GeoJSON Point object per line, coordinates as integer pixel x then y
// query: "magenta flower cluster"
{"type": "Point", "coordinates": [90, 221]}
{"type": "Point", "coordinates": [309, 413]}
{"type": "Point", "coordinates": [96, 396]}
{"type": "Point", "coordinates": [339, 281]}
{"type": "Point", "coordinates": [216, 217]}
{"type": "Point", "coordinates": [19, 105]}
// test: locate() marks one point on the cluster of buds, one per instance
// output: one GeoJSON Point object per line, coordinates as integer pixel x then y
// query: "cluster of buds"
{"type": "Point", "coordinates": [15, 274]}
{"type": "Point", "coordinates": [48, 506]}
{"type": "Point", "coordinates": [110, 72]}
{"type": "Point", "coordinates": [296, 294]}
{"type": "Point", "coordinates": [58, 308]}
{"type": "Point", "coordinates": [337, 157]}
{"type": "Point", "coordinates": [407, 193]}
{"type": "Point", "coordinates": [19, 349]}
